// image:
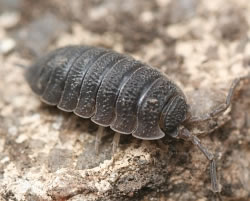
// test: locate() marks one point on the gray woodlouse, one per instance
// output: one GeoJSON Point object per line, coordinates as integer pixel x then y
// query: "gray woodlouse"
{"type": "Point", "coordinates": [118, 91]}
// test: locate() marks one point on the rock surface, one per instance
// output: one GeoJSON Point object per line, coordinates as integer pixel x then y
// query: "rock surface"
{"type": "Point", "coordinates": [47, 154]}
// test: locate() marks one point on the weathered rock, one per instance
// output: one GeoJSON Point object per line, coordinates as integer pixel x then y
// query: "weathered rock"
{"type": "Point", "coordinates": [47, 154]}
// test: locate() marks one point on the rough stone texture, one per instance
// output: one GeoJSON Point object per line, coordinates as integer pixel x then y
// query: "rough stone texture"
{"type": "Point", "coordinates": [46, 154]}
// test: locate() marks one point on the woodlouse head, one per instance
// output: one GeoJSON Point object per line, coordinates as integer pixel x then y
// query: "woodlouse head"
{"type": "Point", "coordinates": [173, 115]}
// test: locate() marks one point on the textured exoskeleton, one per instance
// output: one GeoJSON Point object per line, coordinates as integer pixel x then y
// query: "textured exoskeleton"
{"type": "Point", "coordinates": [110, 88]}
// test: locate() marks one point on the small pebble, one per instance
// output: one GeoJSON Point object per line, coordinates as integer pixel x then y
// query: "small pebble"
{"type": "Point", "coordinates": [7, 45]}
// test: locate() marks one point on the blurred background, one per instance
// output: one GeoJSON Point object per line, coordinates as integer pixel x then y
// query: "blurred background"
{"type": "Point", "coordinates": [201, 44]}
{"type": "Point", "coordinates": [214, 28]}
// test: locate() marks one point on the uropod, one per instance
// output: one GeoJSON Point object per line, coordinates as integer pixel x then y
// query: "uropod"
{"type": "Point", "coordinates": [118, 91]}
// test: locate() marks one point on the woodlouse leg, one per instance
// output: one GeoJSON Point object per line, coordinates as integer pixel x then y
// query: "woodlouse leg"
{"type": "Point", "coordinates": [186, 135]}
{"type": "Point", "coordinates": [21, 65]}
{"type": "Point", "coordinates": [224, 106]}
{"type": "Point", "coordinates": [98, 138]}
{"type": "Point", "coordinates": [115, 142]}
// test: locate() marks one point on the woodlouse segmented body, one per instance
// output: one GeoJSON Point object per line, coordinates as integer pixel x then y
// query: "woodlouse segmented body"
{"type": "Point", "coordinates": [110, 88]}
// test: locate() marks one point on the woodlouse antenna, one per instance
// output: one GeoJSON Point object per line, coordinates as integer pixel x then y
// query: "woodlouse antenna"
{"type": "Point", "coordinates": [224, 106]}
{"type": "Point", "coordinates": [187, 136]}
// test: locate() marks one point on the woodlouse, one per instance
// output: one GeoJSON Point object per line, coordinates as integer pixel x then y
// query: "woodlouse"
{"type": "Point", "coordinates": [118, 91]}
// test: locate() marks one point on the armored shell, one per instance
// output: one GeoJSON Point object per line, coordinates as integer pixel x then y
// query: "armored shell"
{"type": "Point", "coordinates": [110, 88]}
